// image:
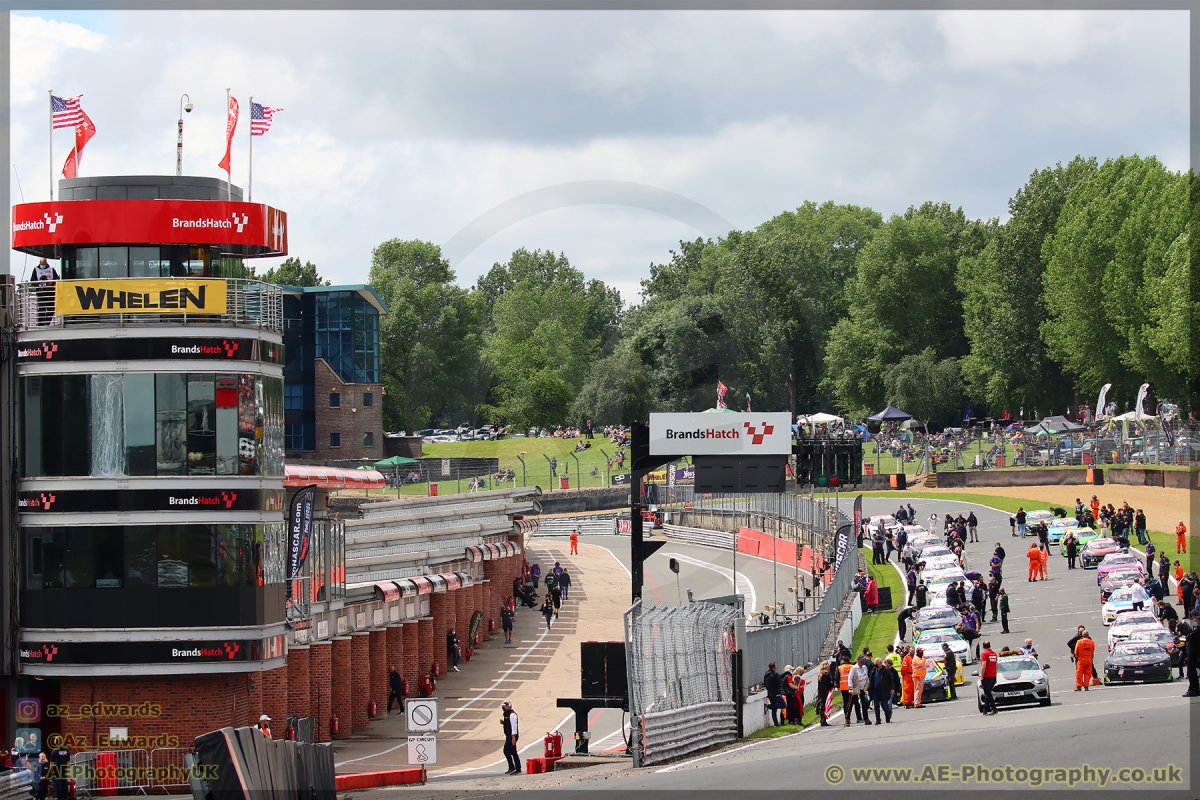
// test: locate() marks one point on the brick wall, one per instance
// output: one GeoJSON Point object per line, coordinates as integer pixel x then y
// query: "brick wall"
{"type": "Point", "coordinates": [320, 676]}
{"type": "Point", "coordinates": [181, 709]}
{"type": "Point", "coordinates": [340, 696]}
{"type": "Point", "coordinates": [425, 650]}
{"type": "Point", "coordinates": [344, 419]}
{"type": "Point", "coordinates": [410, 668]}
{"type": "Point", "coordinates": [379, 671]}
{"type": "Point", "coordinates": [441, 608]}
{"type": "Point", "coordinates": [299, 689]}
{"type": "Point", "coordinates": [275, 698]}
{"type": "Point", "coordinates": [360, 680]}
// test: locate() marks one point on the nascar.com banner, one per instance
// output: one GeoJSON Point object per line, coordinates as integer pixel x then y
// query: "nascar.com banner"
{"type": "Point", "coordinates": [140, 296]}
{"type": "Point", "coordinates": [723, 434]}
{"type": "Point", "coordinates": [250, 228]}
{"type": "Point", "coordinates": [300, 529]}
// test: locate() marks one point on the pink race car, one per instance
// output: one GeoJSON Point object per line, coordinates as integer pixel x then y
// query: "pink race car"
{"type": "Point", "coordinates": [1118, 560]}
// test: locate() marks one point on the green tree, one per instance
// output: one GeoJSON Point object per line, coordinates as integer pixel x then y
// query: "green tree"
{"type": "Point", "coordinates": [431, 336]}
{"type": "Point", "coordinates": [289, 272]}
{"type": "Point", "coordinates": [783, 291]}
{"type": "Point", "coordinates": [902, 301]}
{"type": "Point", "coordinates": [925, 386]}
{"type": "Point", "coordinates": [1004, 302]}
{"type": "Point", "coordinates": [617, 391]}
{"type": "Point", "coordinates": [1113, 277]}
{"type": "Point", "coordinates": [548, 325]}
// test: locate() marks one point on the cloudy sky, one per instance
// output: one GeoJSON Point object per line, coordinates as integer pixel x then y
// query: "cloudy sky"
{"type": "Point", "coordinates": [412, 124]}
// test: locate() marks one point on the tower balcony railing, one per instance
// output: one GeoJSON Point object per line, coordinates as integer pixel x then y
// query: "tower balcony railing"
{"type": "Point", "coordinates": [248, 304]}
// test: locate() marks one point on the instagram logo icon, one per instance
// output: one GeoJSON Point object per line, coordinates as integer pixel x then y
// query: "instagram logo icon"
{"type": "Point", "coordinates": [28, 709]}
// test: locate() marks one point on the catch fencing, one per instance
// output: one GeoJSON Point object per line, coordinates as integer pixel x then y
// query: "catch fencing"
{"type": "Point", "coordinates": [799, 643]}
{"type": "Point", "coordinates": [681, 678]}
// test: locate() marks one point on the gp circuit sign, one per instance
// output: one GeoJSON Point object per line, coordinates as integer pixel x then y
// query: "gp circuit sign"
{"type": "Point", "coordinates": [724, 434]}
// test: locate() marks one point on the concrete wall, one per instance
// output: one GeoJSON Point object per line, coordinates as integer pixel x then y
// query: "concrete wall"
{"type": "Point", "coordinates": [572, 501]}
{"type": "Point", "coordinates": [1138, 476]}
{"type": "Point", "coordinates": [1012, 477]}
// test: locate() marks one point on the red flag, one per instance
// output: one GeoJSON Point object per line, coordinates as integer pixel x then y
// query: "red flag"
{"type": "Point", "coordinates": [230, 127]}
{"type": "Point", "coordinates": [84, 132]}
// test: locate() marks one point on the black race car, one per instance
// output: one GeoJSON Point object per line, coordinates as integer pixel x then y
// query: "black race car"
{"type": "Point", "coordinates": [1137, 661]}
{"type": "Point", "coordinates": [1164, 639]}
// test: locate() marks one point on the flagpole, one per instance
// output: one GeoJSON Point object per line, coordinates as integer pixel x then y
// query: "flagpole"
{"type": "Point", "coordinates": [51, 93]}
{"type": "Point", "coordinates": [229, 141]}
{"type": "Point", "coordinates": [250, 182]}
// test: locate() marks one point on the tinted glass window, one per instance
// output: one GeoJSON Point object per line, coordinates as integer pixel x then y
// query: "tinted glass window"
{"type": "Point", "coordinates": [87, 263]}
{"type": "Point", "coordinates": [146, 262]}
{"type": "Point", "coordinates": [141, 556]}
{"type": "Point", "coordinates": [170, 423]}
{"type": "Point", "coordinates": [368, 399]}
{"type": "Point", "coordinates": [335, 400]}
{"type": "Point", "coordinates": [201, 425]}
{"type": "Point", "coordinates": [335, 440]}
{"type": "Point", "coordinates": [108, 557]}
{"type": "Point", "coordinates": [114, 262]}
{"type": "Point", "coordinates": [138, 397]}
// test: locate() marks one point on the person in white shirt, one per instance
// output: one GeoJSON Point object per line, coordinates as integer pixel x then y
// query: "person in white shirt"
{"type": "Point", "coordinates": [860, 680]}
{"type": "Point", "coordinates": [1137, 593]}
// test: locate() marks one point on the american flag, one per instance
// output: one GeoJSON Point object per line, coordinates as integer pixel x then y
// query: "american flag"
{"type": "Point", "coordinates": [66, 113]}
{"type": "Point", "coordinates": [260, 118]}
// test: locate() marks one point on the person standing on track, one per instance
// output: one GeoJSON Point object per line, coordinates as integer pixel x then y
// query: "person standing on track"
{"type": "Point", "coordinates": [1072, 548]}
{"type": "Point", "coordinates": [848, 700]}
{"type": "Point", "coordinates": [575, 542]}
{"type": "Point", "coordinates": [951, 669]}
{"type": "Point", "coordinates": [1034, 554]}
{"type": "Point", "coordinates": [906, 679]}
{"type": "Point", "coordinates": [993, 592]}
{"type": "Point", "coordinates": [1181, 537]}
{"type": "Point", "coordinates": [564, 583]}
{"type": "Point", "coordinates": [1003, 612]}
{"type": "Point", "coordinates": [1085, 651]}
{"type": "Point", "coordinates": [509, 722]}
{"type": "Point", "coordinates": [824, 689]}
{"type": "Point", "coordinates": [919, 666]}
{"type": "Point", "coordinates": [883, 689]}
{"type": "Point", "coordinates": [902, 619]}
{"type": "Point", "coordinates": [988, 661]}
{"type": "Point", "coordinates": [506, 623]}
{"type": "Point", "coordinates": [1043, 562]}
{"type": "Point", "coordinates": [1020, 518]}
{"type": "Point", "coordinates": [973, 527]}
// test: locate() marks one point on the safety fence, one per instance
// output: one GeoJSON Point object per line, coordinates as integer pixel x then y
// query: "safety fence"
{"type": "Point", "coordinates": [681, 664]}
{"type": "Point", "coordinates": [796, 518]}
{"type": "Point", "coordinates": [799, 643]}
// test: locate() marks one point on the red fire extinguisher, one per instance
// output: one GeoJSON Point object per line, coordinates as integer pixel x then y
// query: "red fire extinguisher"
{"type": "Point", "coordinates": [290, 734]}
{"type": "Point", "coordinates": [553, 744]}
{"type": "Point", "coordinates": [491, 624]}
{"type": "Point", "coordinates": [467, 654]}
{"type": "Point", "coordinates": [406, 688]}
{"type": "Point", "coordinates": [372, 707]}
{"type": "Point", "coordinates": [436, 670]}
{"type": "Point", "coordinates": [333, 725]}
{"type": "Point", "coordinates": [426, 688]}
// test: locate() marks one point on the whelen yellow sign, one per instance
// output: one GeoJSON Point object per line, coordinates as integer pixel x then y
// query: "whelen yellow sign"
{"type": "Point", "coordinates": [140, 296]}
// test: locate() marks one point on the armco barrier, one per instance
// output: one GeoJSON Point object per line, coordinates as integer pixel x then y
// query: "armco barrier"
{"type": "Point", "coordinates": [671, 734]}
{"type": "Point", "coordinates": [587, 526]}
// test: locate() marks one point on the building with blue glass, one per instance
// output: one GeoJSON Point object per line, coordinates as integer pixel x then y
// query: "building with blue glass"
{"type": "Point", "coordinates": [333, 398]}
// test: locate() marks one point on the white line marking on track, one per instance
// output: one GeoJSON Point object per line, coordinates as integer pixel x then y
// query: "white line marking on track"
{"type": "Point", "coordinates": [742, 580]}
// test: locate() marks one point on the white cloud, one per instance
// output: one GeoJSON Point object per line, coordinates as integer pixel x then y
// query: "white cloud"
{"type": "Point", "coordinates": [410, 124]}
{"type": "Point", "coordinates": [984, 39]}
{"type": "Point", "coordinates": [35, 44]}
